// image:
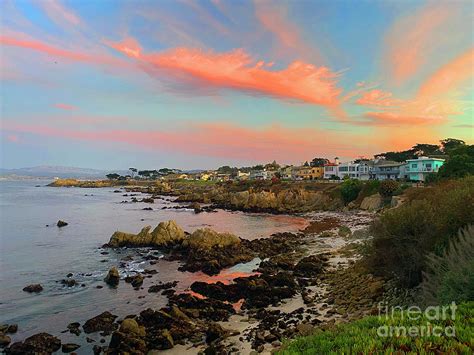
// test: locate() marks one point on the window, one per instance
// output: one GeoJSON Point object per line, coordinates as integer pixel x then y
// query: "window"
{"type": "Point", "coordinates": [414, 166]}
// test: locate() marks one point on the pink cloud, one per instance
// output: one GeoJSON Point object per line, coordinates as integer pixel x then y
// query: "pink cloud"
{"type": "Point", "coordinates": [273, 16]}
{"type": "Point", "coordinates": [59, 13]}
{"type": "Point", "coordinates": [13, 138]}
{"type": "Point", "coordinates": [56, 52]}
{"type": "Point", "coordinates": [413, 37]}
{"type": "Point", "coordinates": [233, 70]}
{"type": "Point", "coordinates": [450, 76]}
{"type": "Point", "coordinates": [214, 140]}
{"type": "Point", "coordinates": [65, 106]}
{"type": "Point", "coordinates": [400, 118]}
{"type": "Point", "coordinates": [378, 98]}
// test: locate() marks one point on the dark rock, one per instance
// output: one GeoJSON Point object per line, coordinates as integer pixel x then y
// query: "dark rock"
{"type": "Point", "coordinates": [69, 347]}
{"type": "Point", "coordinates": [61, 224]}
{"type": "Point", "coordinates": [137, 281]}
{"type": "Point", "coordinates": [147, 209]}
{"type": "Point", "coordinates": [68, 282]}
{"type": "Point", "coordinates": [164, 286]}
{"type": "Point", "coordinates": [33, 288]}
{"type": "Point", "coordinates": [113, 277]}
{"type": "Point", "coordinates": [74, 328]}
{"type": "Point", "coordinates": [310, 266]}
{"type": "Point", "coordinates": [69, 275]}
{"type": "Point", "coordinates": [4, 340]}
{"type": "Point", "coordinates": [100, 323]}
{"type": "Point", "coordinates": [214, 331]}
{"type": "Point", "coordinates": [36, 344]}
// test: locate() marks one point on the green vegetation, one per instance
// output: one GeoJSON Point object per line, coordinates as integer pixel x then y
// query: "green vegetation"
{"type": "Point", "coordinates": [350, 189]}
{"type": "Point", "coordinates": [459, 164]}
{"type": "Point", "coordinates": [450, 277]}
{"type": "Point", "coordinates": [404, 236]}
{"type": "Point", "coordinates": [445, 148]}
{"type": "Point", "coordinates": [388, 187]}
{"type": "Point", "coordinates": [360, 337]}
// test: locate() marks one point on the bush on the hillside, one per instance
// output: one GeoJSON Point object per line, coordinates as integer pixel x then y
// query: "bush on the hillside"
{"type": "Point", "coordinates": [450, 277]}
{"type": "Point", "coordinates": [388, 187]}
{"type": "Point", "coordinates": [431, 178]}
{"type": "Point", "coordinates": [350, 189]}
{"type": "Point", "coordinates": [403, 237]}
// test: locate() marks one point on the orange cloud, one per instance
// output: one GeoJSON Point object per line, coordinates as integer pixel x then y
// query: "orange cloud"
{"type": "Point", "coordinates": [65, 106]}
{"type": "Point", "coordinates": [216, 140]}
{"type": "Point", "coordinates": [56, 52]}
{"type": "Point", "coordinates": [397, 118]}
{"type": "Point", "coordinates": [274, 17]}
{"type": "Point", "coordinates": [233, 70]}
{"type": "Point", "coordinates": [378, 98]}
{"type": "Point", "coordinates": [450, 76]}
{"type": "Point", "coordinates": [59, 13]}
{"type": "Point", "coordinates": [413, 37]}
{"type": "Point", "coordinates": [129, 46]}
{"type": "Point", "coordinates": [44, 48]}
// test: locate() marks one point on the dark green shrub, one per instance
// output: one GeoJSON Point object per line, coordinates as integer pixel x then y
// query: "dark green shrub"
{"type": "Point", "coordinates": [350, 189]}
{"type": "Point", "coordinates": [450, 277]}
{"type": "Point", "coordinates": [388, 187]}
{"type": "Point", "coordinates": [403, 237]}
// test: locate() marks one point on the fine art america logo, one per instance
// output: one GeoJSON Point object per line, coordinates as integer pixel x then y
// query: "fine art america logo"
{"type": "Point", "coordinates": [414, 322]}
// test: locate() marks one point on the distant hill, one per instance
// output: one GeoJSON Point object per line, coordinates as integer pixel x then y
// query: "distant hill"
{"type": "Point", "coordinates": [58, 171]}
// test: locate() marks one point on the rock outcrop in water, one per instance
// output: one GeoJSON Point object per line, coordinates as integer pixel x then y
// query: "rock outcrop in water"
{"type": "Point", "coordinates": [206, 238]}
{"type": "Point", "coordinates": [204, 249]}
{"type": "Point", "coordinates": [289, 200]}
{"type": "Point", "coordinates": [166, 234]}
{"type": "Point", "coordinates": [113, 277]}
{"type": "Point", "coordinates": [36, 288]}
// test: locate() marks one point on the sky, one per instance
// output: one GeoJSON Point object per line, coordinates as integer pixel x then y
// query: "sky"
{"type": "Point", "coordinates": [203, 83]}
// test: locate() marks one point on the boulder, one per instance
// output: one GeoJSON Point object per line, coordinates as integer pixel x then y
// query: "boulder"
{"type": "Point", "coordinates": [165, 234]}
{"type": "Point", "coordinates": [61, 224]}
{"type": "Point", "coordinates": [113, 277]}
{"type": "Point", "coordinates": [33, 288]}
{"type": "Point", "coordinates": [130, 326]}
{"type": "Point", "coordinates": [207, 238]}
{"type": "Point", "coordinates": [104, 322]}
{"type": "Point", "coordinates": [4, 340]}
{"type": "Point", "coordinates": [69, 347]}
{"type": "Point", "coordinates": [372, 203]}
{"type": "Point", "coordinates": [41, 343]}
{"type": "Point", "coordinates": [137, 281]}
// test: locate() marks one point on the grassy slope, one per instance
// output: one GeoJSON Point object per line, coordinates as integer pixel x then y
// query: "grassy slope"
{"type": "Point", "coordinates": [361, 337]}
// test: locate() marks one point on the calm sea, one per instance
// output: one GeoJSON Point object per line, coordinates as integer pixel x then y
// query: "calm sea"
{"type": "Point", "coordinates": [32, 252]}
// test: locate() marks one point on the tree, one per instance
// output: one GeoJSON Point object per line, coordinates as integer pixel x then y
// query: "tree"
{"type": "Point", "coordinates": [133, 170]}
{"type": "Point", "coordinates": [112, 176]}
{"type": "Point", "coordinates": [272, 166]}
{"type": "Point", "coordinates": [450, 144]}
{"type": "Point", "coordinates": [426, 149]}
{"type": "Point", "coordinates": [318, 162]}
{"type": "Point", "coordinates": [306, 163]}
{"type": "Point", "coordinates": [459, 163]}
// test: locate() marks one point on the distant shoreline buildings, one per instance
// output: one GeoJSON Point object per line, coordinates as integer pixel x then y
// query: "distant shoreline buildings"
{"type": "Point", "coordinates": [415, 170]}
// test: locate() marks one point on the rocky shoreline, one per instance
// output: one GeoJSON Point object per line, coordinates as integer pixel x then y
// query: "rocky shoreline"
{"type": "Point", "coordinates": [302, 282]}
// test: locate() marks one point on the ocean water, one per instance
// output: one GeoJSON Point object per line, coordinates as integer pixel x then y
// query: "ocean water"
{"type": "Point", "coordinates": [32, 252]}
